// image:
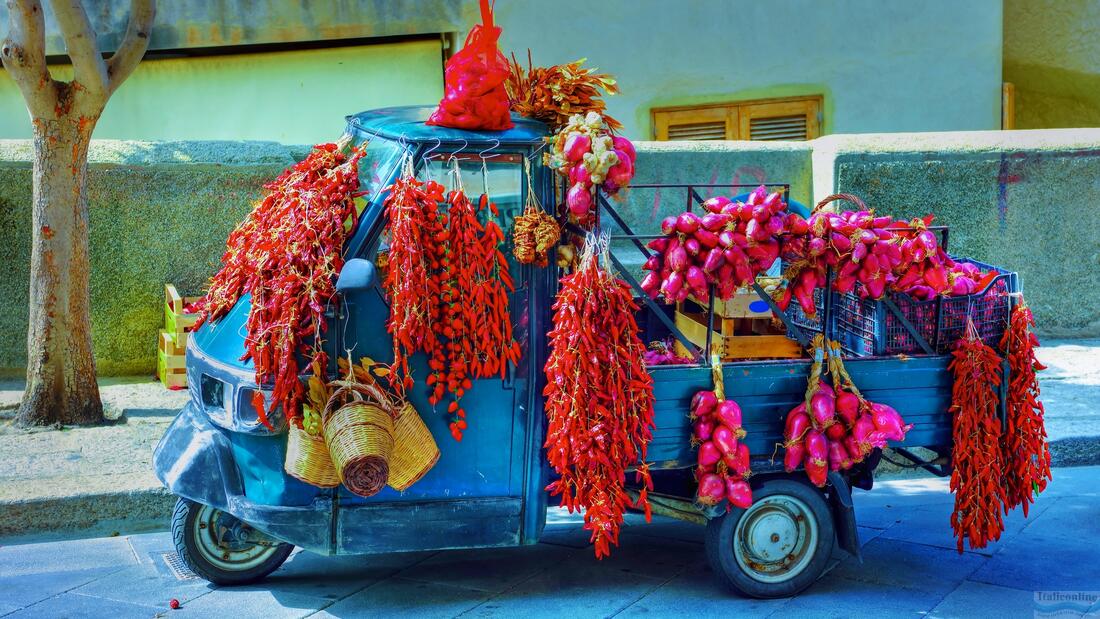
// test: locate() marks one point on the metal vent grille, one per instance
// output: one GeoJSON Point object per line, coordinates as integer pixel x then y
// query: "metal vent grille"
{"type": "Point", "coordinates": [176, 566]}
{"type": "Point", "coordinates": [778, 128]}
{"type": "Point", "coordinates": [698, 131]}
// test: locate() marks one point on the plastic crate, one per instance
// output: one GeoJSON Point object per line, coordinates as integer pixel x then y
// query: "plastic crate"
{"type": "Point", "coordinates": [868, 328]}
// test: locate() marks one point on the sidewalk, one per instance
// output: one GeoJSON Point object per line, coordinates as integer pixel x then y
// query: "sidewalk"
{"type": "Point", "coordinates": [99, 480]}
{"type": "Point", "coordinates": [910, 568]}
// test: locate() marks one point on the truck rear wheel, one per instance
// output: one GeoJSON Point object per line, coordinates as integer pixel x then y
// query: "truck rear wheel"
{"type": "Point", "coordinates": [778, 546]}
{"type": "Point", "coordinates": [220, 548]}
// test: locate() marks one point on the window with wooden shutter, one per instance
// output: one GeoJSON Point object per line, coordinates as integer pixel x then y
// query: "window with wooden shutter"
{"type": "Point", "coordinates": [795, 118]}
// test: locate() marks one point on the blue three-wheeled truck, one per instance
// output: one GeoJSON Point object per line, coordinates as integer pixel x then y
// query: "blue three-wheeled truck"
{"type": "Point", "coordinates": [239, 514]}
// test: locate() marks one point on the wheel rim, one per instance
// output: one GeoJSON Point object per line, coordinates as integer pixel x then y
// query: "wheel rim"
{"type": "Point", "coordinates": [229, 544]}
{"type": "Point", "coordinates": [775, 538]}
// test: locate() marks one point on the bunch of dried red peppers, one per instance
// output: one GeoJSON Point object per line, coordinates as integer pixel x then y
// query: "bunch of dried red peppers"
{"type": "Point", "coordinates": [599, 399]}
{"type": "Point", "coordinates": [287, 254]}
{"type": "Point", "coordinates": [448, 282]}
{"type": "Point", "coordinates": [996, 469]}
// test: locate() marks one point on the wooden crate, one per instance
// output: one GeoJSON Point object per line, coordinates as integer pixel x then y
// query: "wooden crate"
{"type": "Point", "coordinates": [176, 321]}
{"type": "Point", "coordinates": [171, 371]}
{"type": "Point", "coordinates": [170, 345]}
{"type": "Point", "coordinates": [730, 341]}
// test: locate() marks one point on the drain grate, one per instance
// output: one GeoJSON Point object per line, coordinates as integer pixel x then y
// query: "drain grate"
{"type": "Point", "coordinates": [177, 567]}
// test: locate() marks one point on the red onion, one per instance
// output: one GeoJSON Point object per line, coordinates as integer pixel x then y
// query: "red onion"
{"type": "Point", "coordinates": [620, 143]}
{"type": "Point", "coordinates": [672, 284]}
{"type": "Point", "coordinates": [739, 493]}
{"type": "Point", "coordinates": [709, 454]}
{"type": "Point", "coordinates": [889, 422]}
{"type": "Point", "coordinates": [703, 429]}
{"type": "Point", "coordinates": [729, 413]}
{"type": "Point", "coordinates": [579, 200]}
{"type": "Point", "coordinates": [838, 457]}
{"type": "Point", "coordinates": [703, 403]}
{"type": "Point", "coordinates": [576, 146]}
{"type": "Point", "coordinates": [651, 284]}
{"type": "Point", "coordinates": [847, 406]}
{"type": "Point", "coordinates": [724, 439]}
{"type": "Point", "coordinates": [712, 489]}
{"type": "Point", "coordinates": [687, 222]}
{"type": "Point", "coordinates": [794, 456]}
{"type": "Point", "coordinates": [822, 409]}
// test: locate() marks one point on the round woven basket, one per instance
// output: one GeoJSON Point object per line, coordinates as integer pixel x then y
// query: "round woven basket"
{"type": "Point", "coordinates": [359, 436]}
{"type": "Point", "coordinates": [414, 449]}
{"type": "Point", "coordinates": [307, 459]}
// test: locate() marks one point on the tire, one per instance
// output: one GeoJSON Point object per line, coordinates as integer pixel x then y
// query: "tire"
{"type": "Point", "coordinates": [743, 545]}
{"type": "Point", "coordinates": [246, 555]}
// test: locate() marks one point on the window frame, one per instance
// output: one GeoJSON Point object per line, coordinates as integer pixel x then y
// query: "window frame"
{"type": "Point", "coordinates": [738, 115]}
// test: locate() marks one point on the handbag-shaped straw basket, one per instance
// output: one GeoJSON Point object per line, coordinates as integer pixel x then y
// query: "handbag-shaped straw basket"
{"type": "Point", "coordinates": [360, 437]}
{"type": "Point", "coordinates": [414, 449]}
{"type": "Point", "coordinates": [307, 459]}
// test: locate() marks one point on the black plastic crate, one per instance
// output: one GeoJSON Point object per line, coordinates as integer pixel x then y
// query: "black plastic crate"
{"type": "Point", "coordinates": [868, 328]}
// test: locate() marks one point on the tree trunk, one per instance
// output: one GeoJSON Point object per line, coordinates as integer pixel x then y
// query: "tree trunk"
{"type": "Point", "coordinates": [61, 385]}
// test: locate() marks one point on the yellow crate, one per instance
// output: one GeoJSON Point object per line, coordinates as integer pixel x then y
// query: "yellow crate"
{"type": "Point", "coordinates": [176, 321]}
{"type": "Point", "coordinates": [745, 303]}
{"type": "Point", "coordinates": [172, 377]}
{"type": "Point", "coordinates": [731, 346]}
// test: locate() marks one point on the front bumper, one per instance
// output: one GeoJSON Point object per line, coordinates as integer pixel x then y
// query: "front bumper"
{"type": "Point", "coordinates": [198, 461]}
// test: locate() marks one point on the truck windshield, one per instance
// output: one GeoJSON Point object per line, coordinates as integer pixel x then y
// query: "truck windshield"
{"type": "Point", "coordinates": [375, 166]}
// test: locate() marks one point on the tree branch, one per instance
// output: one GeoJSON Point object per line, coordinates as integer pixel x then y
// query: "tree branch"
{"type": "Point", "coordinates": [134, 43]}
{"type": "Point", "coordinates": [23, 54]}
{"type": "Point", "coordinates": [80, 41]}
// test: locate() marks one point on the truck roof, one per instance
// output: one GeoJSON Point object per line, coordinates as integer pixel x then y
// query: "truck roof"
{"type": "Point", "coordinates": [408, 122]}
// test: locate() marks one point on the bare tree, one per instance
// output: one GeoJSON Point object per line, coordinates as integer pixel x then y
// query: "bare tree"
{"type": "Point", "coordinates": [61, 381]}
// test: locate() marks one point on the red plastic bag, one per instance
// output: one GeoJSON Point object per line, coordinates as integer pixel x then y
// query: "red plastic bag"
{"type": "Point", "coordinates": [473, 93]}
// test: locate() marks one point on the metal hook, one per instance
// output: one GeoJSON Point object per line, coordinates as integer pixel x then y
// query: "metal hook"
{"type": "Point", "coordinates": [426, 159]}
{"type": "Point", "coordinates": [489, 150]}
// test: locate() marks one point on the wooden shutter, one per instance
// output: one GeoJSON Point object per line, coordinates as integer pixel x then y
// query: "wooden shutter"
{"type": "Point", "coordinates": [775, 119]}
{"type": "Point", "coordinates": [707, 123]}
{"type": "Point", "coordinates": [786, 120]}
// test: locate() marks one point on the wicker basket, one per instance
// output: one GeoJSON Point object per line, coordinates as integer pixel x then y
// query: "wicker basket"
{"type": "Point", "coordinates": [359, 436]}
{"type": "Point", "coordinates": [414, 449]}
{"type": "Point", "coordinates": [307, 459]}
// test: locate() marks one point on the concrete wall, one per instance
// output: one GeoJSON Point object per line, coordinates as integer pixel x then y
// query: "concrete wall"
{"type": "Point", "coordinates": [160, 212]}
{"type": "Point", "coordinates": [296, 97]}
{"type": "Point", "coordinates": [1025, 200]}
{"type": "Point", "coordinates": [881, 65]}
{"type": "Point", "coordinates": [1052, 55]}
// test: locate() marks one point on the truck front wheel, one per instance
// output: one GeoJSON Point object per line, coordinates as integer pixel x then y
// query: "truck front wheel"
{"type": "Point", "coordinates": [778, 546]}
{"type": "Point", "coordinates": [220, 548]}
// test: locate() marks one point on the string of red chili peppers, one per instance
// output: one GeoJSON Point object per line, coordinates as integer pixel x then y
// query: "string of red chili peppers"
{"type": "Point", "coordinates": [287, 253]}
{"type": "Point", "coordinates": [599, 400]}
{"type": "Point", "coordinates": [1026, 453]}
{"type": "Point", "coordinates": [412, 212]}
{"type": "Point", "coordinates": [976, 430]}
{"type": "Point", "coordinates": [448, 266]}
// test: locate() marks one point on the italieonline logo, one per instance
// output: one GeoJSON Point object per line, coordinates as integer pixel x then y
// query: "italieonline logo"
{"type": "Point", "coordinates": [1067, 603]}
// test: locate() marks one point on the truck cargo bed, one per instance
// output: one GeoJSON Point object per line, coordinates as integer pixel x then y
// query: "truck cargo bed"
{"type": "Point", "coordinates": [918, 387]}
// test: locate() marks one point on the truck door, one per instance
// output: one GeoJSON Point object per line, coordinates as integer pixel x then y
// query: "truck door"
{"type": "Point", "coordinates": [475, 495]}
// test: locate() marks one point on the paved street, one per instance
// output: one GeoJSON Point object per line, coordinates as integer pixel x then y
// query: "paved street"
{"type": "Point", "coordinates": [910, 568]}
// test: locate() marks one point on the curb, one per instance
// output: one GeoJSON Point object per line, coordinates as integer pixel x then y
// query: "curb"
{"type": "Point", "coordinates": [89, 515]}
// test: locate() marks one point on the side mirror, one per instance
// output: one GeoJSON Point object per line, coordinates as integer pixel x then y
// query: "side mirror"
{"type": "Point", "coordinates": [357, 274]}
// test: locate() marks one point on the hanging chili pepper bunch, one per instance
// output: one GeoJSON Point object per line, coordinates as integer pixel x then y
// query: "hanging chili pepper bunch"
{"type": "Point", "coordinates": [1026, 453]}
{"type": "Point", "coordinates": [976, 431]}
{"type": "Point", "coordinates": [723, 461]}
{"type": "Point", "coordinates": [416, 233]}
{"type": "Point", "coordinates": [835, 427]}
{"type": "Point", "coordinates": [599, 398]}
{"type": "Point", "coordinates": [474, 325]}
{"type": "Point", "coordinates": [287, 253]}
